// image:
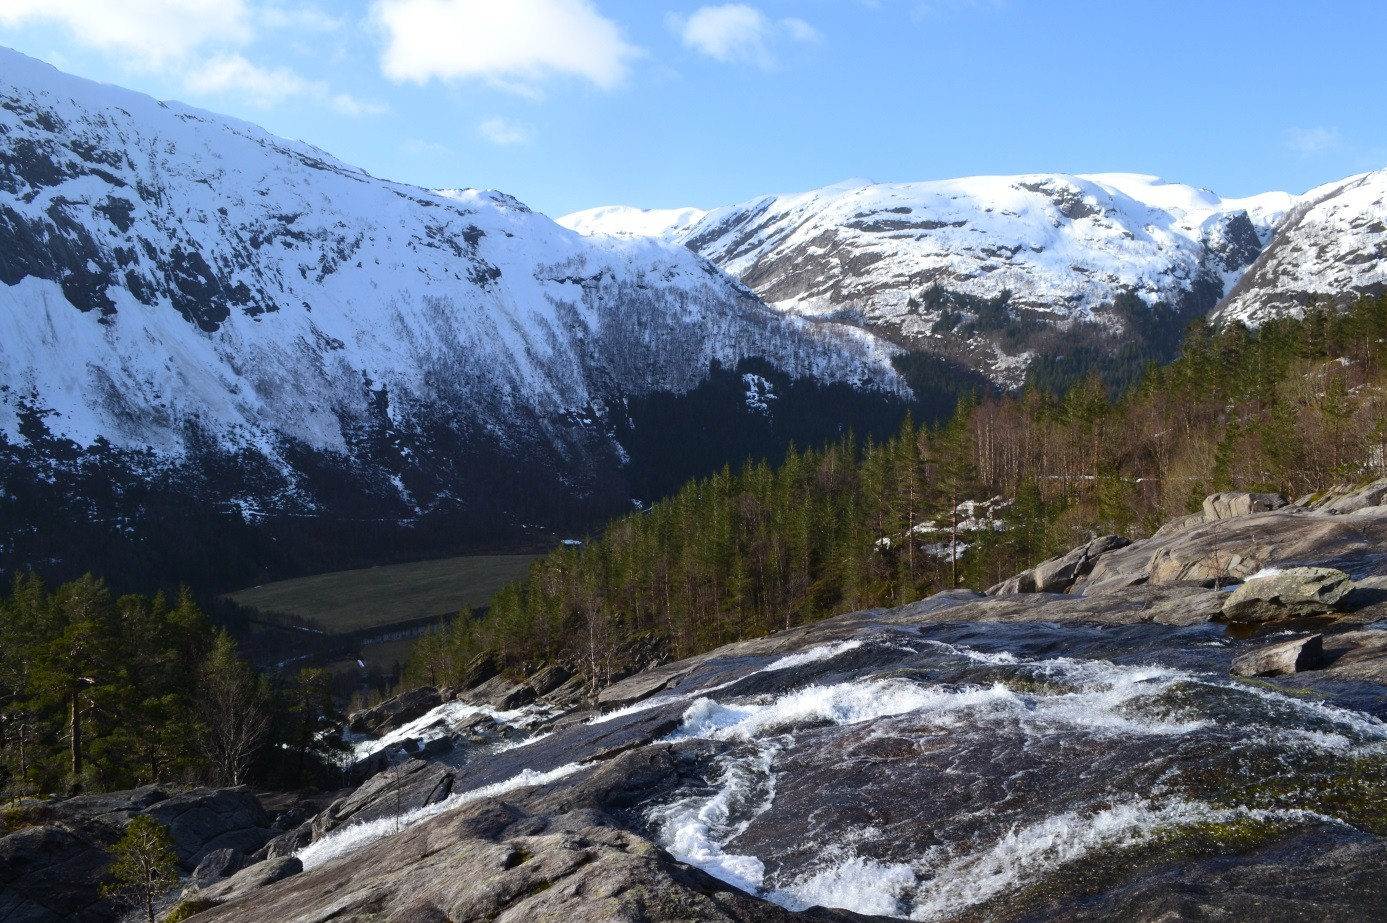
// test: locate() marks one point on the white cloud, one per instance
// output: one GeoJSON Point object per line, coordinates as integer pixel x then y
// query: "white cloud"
{"type": "Point", "coordinates": [801, 31]}
{"type": "Point", "coordinates": [503, 132]}
{"type": "Point", "coordinates": [348, 105]}
{"type": "Point", "coordinates": [233, 73]}
{"type": "Point", "coordinates": [1315, 141]}
{"type": "Point", "coordinates": [421, 148]}
{"type": "Point", "coordinates": [737, 32]}
{"type": "Point", "coordinates": [510, 43]}
{"type": "Point", "coordinates": [151, 33]}
{"type": "Point", "coordinates": [298, 19]}
{"type": "Point", "coordinates": [266, 87]}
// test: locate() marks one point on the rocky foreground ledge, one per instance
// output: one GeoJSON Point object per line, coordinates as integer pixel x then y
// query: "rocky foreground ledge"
{"type": "Point", "coordinates": [1073, 744]}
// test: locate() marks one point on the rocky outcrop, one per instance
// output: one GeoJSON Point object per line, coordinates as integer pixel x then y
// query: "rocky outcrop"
{"type": "Point", "coordinates": [1296, 593]}
{"type": "Point", "coordinates": [249, 879]}
{"type": "Point", "coordinates": [540, 855]}
{"type": "Point", "coordinates": [1059, 574]}
{"type": "Point", "coordinates": [53, 868]}
{"type": "Point", "coordinates": [1228, 551]}
{"type": "Point", "coordinates": [412, 784]}
{"type": "Point", "coordinates": [1349, 499]}
{"type": "Point", "coordinates": [1281, 659]}
{"type": "Point", "coordinates": [501, 694]}
{"type": "Point", "coordinates": [395, 713]}
{"type": "Point", "coordinates": [1231, 505]}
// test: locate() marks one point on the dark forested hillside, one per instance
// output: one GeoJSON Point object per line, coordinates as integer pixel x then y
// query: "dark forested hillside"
{"type": "Point", "coordinates": [1293, 407]}
{"type": "Point", "coordinates": [99, 693]}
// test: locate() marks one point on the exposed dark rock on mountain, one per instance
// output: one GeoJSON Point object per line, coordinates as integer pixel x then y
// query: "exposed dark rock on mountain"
{"type": "Point", "coordinates": [1329, 249]}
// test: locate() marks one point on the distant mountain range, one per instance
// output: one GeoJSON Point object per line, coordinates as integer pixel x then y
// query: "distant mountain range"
{"type": "Point", "coordinates": [196, 315]}
{"type": "Point", "coordinates": [1001, 273]}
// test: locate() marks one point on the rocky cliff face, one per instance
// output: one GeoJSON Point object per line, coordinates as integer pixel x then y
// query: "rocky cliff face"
{"type": "Point", "coordinates": [242, 324]}
{"type": "Point", "coordinates": [1073, 755]}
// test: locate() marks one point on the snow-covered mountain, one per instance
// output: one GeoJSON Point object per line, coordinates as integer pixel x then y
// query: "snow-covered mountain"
{"type": "Point", "coordinates": [1329, 249]}
{"type": "Point", "coordinates": [916, 260]}
{"type": "Point", "coordinates": [179, 288]}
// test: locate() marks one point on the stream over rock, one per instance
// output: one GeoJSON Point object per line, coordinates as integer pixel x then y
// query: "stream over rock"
{"type": "Point", "coordinates": [1025, 756]}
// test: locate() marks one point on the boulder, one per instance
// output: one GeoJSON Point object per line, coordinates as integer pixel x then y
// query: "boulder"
{"type": "Point", "coordinates": [251, 879]}
{"type": "Point", "coordinates": [402, 788]}
{"type": "Point", "coordinates": [286, 844]}
{"type": "Point", "coordinates": [216, 865]}
{"type": "Point", "coordinates": [395, 713]}
{"type": "Point", "coordinates": [501, 694]}
{"type": "Point", "coordinates": [1295, 593]}
{"type": "Point", "coordinates": [480, 669]}
{"type": "Point", "coordinates": [1218, 507]}
{"type": "Point", "coordinates": [548, 679]}
{"type": "Point", "coordinates": [1281, 659]}
{"type": "Point", "coordinates": [202, 821]}
{"type": "Point", "coordinates": [1058, 575]}
{"type": "Point", "coordinates": [1362, 498]}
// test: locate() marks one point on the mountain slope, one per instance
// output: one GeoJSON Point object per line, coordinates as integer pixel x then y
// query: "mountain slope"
{"type": "Point", "coordinates": [1330, 249]}
{"type": "Point", "coordinates": [203, 307]}
{"type": "Point", "coordinates": [927, 263]}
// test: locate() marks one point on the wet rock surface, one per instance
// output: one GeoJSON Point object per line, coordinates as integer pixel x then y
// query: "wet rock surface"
{"type": "Point", "coordinates": [396, 712]}
{"type": "Point", "coordinates": [1296, 593]}
{"type": "Point", "coordinates": [1281, 659]}
{"type": "Point", "coordinates": [1079, 755]}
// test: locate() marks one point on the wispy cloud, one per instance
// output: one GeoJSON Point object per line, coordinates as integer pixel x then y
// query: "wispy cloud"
{"type": "Point", "coordinates": [201, 43]}
{"type": "Point", "coordinates": [736, 32]}
{"type": "Point", "coordinates": [1315, 141]}
{"type": "Point", "coordinates": [421, 148]}
{"type": "Point", "coordinates": [267, 87]}
{"type": "Point", "coordinates": [503, 132]}
{"type": "Point", "coordinates": [150, 33]}
{"type": "Point", "coordinates": [513, 44]}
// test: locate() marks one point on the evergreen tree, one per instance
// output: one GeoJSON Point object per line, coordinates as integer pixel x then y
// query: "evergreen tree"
{"type": "Point", "coordinates": [145, 867]}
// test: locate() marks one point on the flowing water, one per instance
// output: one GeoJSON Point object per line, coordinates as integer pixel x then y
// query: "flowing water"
{"type": "Point", "coordinates": [973, 769]}
{"type": "Point", "coordinates": [983, 771]}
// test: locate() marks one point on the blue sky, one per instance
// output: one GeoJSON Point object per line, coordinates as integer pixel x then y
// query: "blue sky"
{"type": "Point", "coordinates": [568, 104]}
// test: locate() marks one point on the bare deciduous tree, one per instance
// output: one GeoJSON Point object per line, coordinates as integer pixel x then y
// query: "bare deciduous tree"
{"type": "Point", "coordinates": [232, 707]}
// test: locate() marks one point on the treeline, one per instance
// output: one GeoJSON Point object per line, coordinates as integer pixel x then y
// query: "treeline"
{"type": "Point", "coordinates": [1292, 407]}
{"type": "Point", "coordinates": [99, 693]}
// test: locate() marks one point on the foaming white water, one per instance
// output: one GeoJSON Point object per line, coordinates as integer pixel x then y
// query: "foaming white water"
{"type": "Point", "coordinates": [1108, 684]}
{"type": "Point", "coordinates": [696, 829]}
{"type": "Point", "coordinates": [446, 719]}
{"type": "Point", "coordinates": [1101, 707]}
{"type": "Point", "coordinates": [809, 655]}
{"type": "Point", "coordinates": [1024, 855]}
{"type": "Point", "coordinates": [349, 839]}
{"type": "Point", "coordinates": [841, 703]}
{"type": "Point", "coordinates": [857, 883]}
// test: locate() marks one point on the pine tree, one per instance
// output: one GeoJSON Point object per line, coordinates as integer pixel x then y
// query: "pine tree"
{"type": "Point", "coordinates": [145, 866]}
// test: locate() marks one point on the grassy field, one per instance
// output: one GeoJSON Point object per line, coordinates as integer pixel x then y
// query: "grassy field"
{"type": "Point", "coordinates": [352, 600]}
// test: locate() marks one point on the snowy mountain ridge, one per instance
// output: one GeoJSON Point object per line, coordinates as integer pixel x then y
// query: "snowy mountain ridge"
{"type": "Point", "coordinates": [1048, 249]}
